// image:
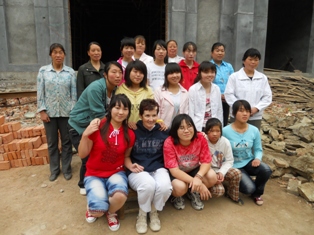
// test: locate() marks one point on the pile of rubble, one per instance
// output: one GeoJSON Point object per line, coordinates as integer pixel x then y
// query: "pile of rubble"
{"type": "Point", "coordinates": [288, 132]}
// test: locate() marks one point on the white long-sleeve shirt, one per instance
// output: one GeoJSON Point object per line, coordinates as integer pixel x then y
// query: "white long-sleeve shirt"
{"type": "Point", "coordinates": [197, 104]}
{"type": "Point", "coordinates": [222, 157]}
{"type": "Point", "coordinates": [256, 91]}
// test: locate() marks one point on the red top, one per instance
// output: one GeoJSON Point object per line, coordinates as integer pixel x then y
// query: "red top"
{"type": "Point", "coordinates": [105, 160]}
{"type": "Point", "coordinates": [187, 158]}
{"type": "Point", "coordinates": [189, 74]}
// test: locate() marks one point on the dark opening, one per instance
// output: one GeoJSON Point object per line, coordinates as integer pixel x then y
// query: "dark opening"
{"type": "Point", "coordinates": [107, 22]}
{"type": "Point", "coordinates": [288, 34]}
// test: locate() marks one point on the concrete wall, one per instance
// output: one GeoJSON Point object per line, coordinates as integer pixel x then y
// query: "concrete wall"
{"type": "Point", "coordinates": [240, 24]}
{"type": "Point", "coordinates": [27, 29]}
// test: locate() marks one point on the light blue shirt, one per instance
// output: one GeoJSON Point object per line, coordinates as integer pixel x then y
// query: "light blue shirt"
{"type": "Point", "coordinates": [224, 70]}
{"type": "Point", "coordinates": [56, 91]}
{"type": "Point", "coordinates": [242, 145]}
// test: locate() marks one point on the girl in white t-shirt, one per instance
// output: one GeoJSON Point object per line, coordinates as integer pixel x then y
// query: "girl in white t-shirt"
{"type": "Point", "coordinates": [156, 70]}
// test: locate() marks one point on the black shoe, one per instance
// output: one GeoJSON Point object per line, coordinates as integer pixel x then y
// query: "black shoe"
{"type": "Point", "coordinates": [53, 177]}
{"type": "Point", "coordinates": [67, 176]}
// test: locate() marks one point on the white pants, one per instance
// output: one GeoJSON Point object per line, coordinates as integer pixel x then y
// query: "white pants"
{"type": "Point", "coordinates": [152, 187]}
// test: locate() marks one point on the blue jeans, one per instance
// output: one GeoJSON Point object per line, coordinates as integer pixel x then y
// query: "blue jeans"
{"type": "Point", "coordinates": [98, 190]}
{"type": "Point", "coordinates": [255, 188]}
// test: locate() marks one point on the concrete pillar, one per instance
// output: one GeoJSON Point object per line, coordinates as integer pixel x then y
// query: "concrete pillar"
{"type": "Point", "coordinates": [310, 58]}
{"type": "Point", "coordinates": [207, 27]}
{"type": "Point", "coordinates": [259, 35]}
{"type": "Point", "coordinates": [243, 29]}
{"type": "Point", "coordinates": [226, 28]}
{"type": "Point", "coordinates": [177, 18]}
{"type": "Point", "coordinates": [243, 24]}
{"type": "Point", "coordinates": [182, 25]}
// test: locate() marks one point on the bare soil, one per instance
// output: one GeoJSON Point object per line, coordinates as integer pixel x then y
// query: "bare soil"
{"type": "Point", "coordinates": [28, 207]}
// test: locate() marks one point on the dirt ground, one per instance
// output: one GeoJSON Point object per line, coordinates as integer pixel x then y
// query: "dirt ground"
{"type": "Point", "coordinates": [28, 207]}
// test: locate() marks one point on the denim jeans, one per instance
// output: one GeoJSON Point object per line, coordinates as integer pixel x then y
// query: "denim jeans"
{"type": "Point", "coordinates": [98, 190]}
{"type": "Point", "coordinates": [75, 139]}
{"type": "Point", "coordinates": [255, 188]}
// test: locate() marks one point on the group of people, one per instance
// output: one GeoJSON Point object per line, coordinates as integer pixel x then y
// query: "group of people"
{"type": "Point", "coordinates": [156, 124]}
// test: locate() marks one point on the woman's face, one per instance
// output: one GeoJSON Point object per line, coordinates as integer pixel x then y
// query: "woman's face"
{"type": "Point", "coordinates": [94, 52]}
{"type": "Point", "coordinates": [119, 113]}
{"type": "Point", "coordinates": [57, 56]}
{"type": "Point", "coordinates": [136, 76]}
{"type": "Point", "coordinates": [251, 63]}
{"type": "Point", "coordinates": [243, 115]}
{"type": "Point", "coordinates": [174, 78]}
{"type": "Point", "coordinates": [185, 131]}
{"type": "Point", "coordinates": [149, 118]}
{"type": "Point", "coordinates": [140, 46]}
{"type": "Point", "coordinates": [128, 52]}
{"type": "Point", "coordinates": [218, 54]}
{"type": "Point", "coordinates": [172, 49]}
{"type": "Point", "coordinates": [160, 52]}
{"type": "Point", "coordinates": [114, 75]}
{"type": "Point", "coordinates": [207, 76]}
{"type": "Point", "coordinates": [189, 54]}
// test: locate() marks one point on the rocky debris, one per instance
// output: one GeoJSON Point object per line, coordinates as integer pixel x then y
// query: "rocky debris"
{"type": "Point", "coordinates": [304, 165]}
{"type": "Point", "coordinates": [292, 88]}
{"type": "Point", "coordinates": [306, 190]}
{"type": "Point", "coordinates": [281, 163]}
{"type": "Point", "coordinates": [293, 186]}
{"type": "Point", "coordinates": [287, 177]}
{"type": "Point", "coordinates": [287, 131]}
{"type": "Point", "coordinates": [17, 112]}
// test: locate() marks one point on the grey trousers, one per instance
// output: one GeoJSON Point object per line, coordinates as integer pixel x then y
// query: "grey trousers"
{"type": "Point", "coordinates": [52, 128]}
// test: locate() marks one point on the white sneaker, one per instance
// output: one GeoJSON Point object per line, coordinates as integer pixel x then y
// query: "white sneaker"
{"type": "Point", "coordinates": [89, 218]}
{"type": "Point", "coordinates": [141, 223]}
{"type": "Point", "coordinates": [154, 221]}
{"type": "Point", "coordinates": [83, 191]}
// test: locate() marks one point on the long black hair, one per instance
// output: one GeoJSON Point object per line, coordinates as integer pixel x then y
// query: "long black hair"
{"type": "Point", "coordinates": [205, 66]}
{"type": "Point", "coordinates": [140, 66]}
{"type": "Point", "coordinates": [176, 123]}
{"type": "Point", "coordinates": [170, 69]}
{"type": "Point", "coordinates": [116, 100]}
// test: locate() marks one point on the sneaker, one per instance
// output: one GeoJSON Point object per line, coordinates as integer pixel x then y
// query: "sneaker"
{"type": "Point", "coordinates": [141, 223]}
{"type": "Point", "coordinates": [154, 221]}
{"type": "Point", "coordinates": [113, 222]}
{"type": "Point", "coordinates": [83, 191]}
{"type": "Point", "coordinates": [259, 201]}
{"type": "Point", "coordinates": [89, 218]}
{"type": "Point", "coordinates": [177, 202]}
{"type": "Point", "coordinates": [196, 202]}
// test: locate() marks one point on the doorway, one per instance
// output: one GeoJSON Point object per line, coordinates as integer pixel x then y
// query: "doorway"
{"type": "Point", "coordinates": [107, 22]}
{"type": "Point", "coordinates": [288, 34]}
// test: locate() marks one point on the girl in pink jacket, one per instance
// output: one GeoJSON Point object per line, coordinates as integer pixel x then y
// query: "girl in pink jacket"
{"type": "Point", "coordinates": [172, 98]}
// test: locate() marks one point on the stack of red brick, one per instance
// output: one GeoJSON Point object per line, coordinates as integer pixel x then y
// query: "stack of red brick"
{"type": "Point", "coordinates": [20, 147]}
